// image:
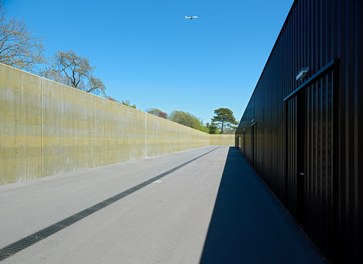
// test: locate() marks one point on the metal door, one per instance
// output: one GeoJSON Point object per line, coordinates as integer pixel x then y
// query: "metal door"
{"type": "Point", "coordinates": [311, 149]}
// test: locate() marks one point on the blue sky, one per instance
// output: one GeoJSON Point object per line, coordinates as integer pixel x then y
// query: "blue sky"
{"type": "Point", "coordinates": [147, 52]}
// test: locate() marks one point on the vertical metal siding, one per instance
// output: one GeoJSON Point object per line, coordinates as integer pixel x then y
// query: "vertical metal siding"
{"type": "Point", "coordinates": [330, 206]}
{"type": "Point", "coordinates": [319, 174]}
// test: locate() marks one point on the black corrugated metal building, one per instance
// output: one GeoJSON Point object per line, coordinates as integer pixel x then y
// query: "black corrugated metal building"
{"type": "Point", "coordinates": [302, 128]}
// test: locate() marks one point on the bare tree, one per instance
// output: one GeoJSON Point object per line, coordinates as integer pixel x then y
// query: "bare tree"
{"type": "Point", "coordinates": [18, 48]}
{"type": "Point", "coordinates": [127, 103]}
{"type": "Point", "coordinates": [75, 71]}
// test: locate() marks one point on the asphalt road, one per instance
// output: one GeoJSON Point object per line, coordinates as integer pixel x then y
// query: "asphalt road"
{"type": "Point", "coordinates": [173, 218]}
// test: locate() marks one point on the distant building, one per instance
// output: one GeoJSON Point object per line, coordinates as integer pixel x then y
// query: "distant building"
{"type": "Point", "coordinates": [303, 127]}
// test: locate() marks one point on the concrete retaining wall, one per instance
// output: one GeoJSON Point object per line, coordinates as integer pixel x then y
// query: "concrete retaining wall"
{"type": "Point", "coordinates": [48, 128]}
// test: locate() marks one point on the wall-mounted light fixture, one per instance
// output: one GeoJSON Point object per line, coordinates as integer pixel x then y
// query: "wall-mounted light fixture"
{"type": "Point", "coordinates": [302, 74]}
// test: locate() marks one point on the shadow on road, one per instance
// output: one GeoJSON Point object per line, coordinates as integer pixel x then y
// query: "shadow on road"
{"type": "Point", "coordinates": [249, 225]}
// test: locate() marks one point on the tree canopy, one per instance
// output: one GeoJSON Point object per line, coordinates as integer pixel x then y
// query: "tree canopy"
{"type": "Point", "coordinates": [187, 119]}
{"type": "Point", "coordinates": [224, 118]}
{"type": "Point", "coordinates": [18, 48]}
{"type": "Point", "coordinates": [76, 71]}
{"type": "Point", "coordinates": [212, 128]}
{"type": "Point", "coordinates": [157, 112]}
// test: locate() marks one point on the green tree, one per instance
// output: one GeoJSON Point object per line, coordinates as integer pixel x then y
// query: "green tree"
{"type": "Point", "coordinates": [187, 119]}
{"type": "Point", "coordinates": [224, 118]}
{"type": "Point", "coordinates": [212, 128]}
{"type": "Point", "coordinates": [75, 71]}
{"type": "Point", "coordinates": [18, 48]}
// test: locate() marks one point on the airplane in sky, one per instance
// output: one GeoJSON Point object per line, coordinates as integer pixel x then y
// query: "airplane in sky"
{"type": "Point", "coordinates": [191, 17]}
